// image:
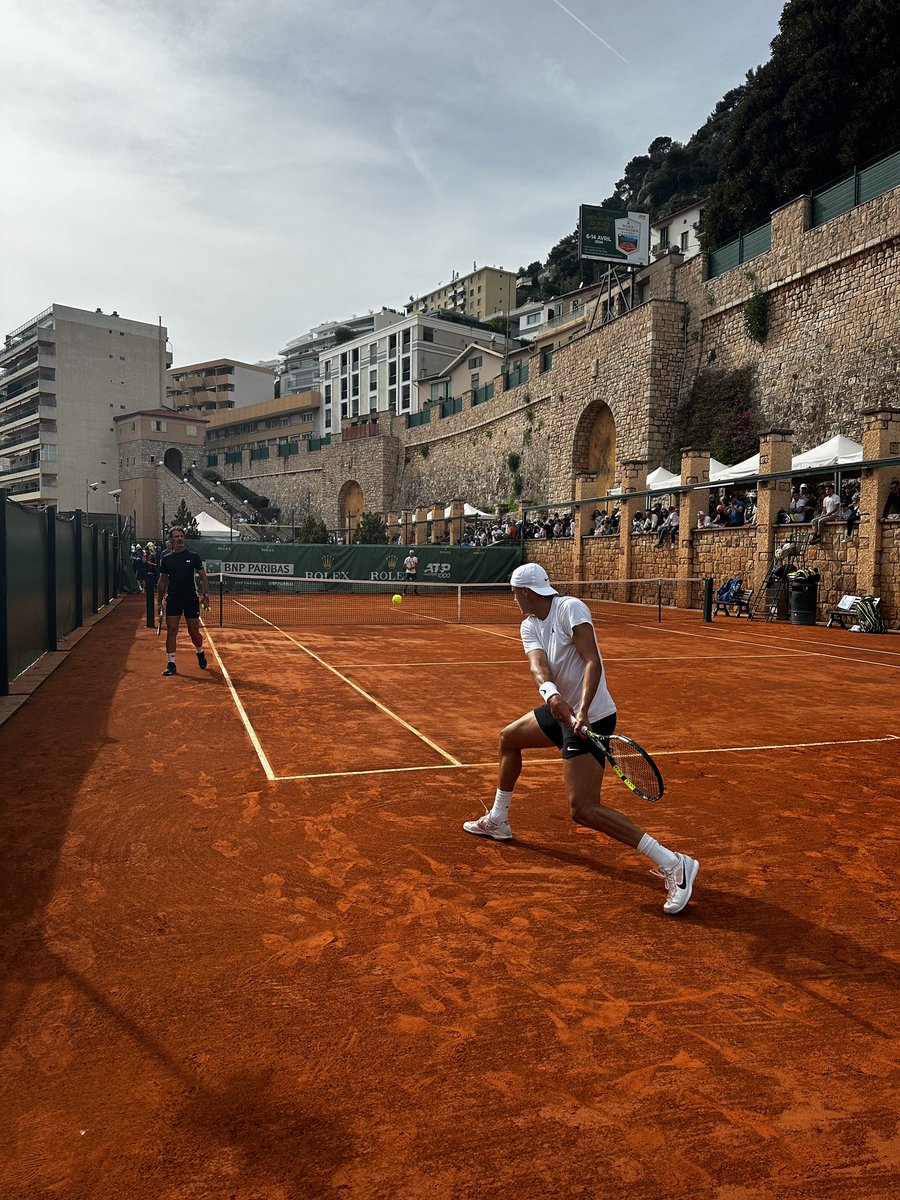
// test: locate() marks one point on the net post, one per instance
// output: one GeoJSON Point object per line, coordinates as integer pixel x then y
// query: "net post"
{"type": "Point", "coordinates": [707, 598]}
{"type": "Point", "coordinates": [459, 604]}
{"type": "Point", "coordinates": [659, 602]}
{"type": "Point", "coordinates": [221, 598]}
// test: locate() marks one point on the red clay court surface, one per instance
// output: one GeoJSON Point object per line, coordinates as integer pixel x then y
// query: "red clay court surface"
{"type": "Point", "coordinates": [282, 970]}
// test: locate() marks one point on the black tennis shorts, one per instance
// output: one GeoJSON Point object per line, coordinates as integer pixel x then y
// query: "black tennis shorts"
{"type": "Point", "coordinates": [183, 606]}
{"type": "Point", "coordinates": [568, 741]}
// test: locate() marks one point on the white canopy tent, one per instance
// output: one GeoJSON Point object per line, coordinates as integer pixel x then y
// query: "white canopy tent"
{"type": "Point", "coordinates": [837, 451]}
{"type": "Point", "coordinates": [210, 527]}
{"type": "Point", "coordinates": [746, 469]}
{"type": "Point", "coordinates": [661, 479]}
{"type": "Point", "coordinates": [469, 510]}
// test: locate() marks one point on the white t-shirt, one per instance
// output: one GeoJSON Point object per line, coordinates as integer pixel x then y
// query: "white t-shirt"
{"type": "Point", "coordinates": [553, 635]}
{"type": "Point", "coordinates": [831, 504]}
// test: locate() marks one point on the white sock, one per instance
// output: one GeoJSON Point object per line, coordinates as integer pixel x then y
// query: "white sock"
{"type": "Point", "coordinates": [665, 859]}
{"type": "Point", "coordinates": [199, 648]}
{"type": "Point", "coordinates": [170, 657]}
{"type": "Point", "coordinates": [502, 801]}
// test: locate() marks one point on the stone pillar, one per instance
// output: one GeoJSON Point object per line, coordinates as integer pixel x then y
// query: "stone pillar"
{"type": "Point", "coordinates": [390, 522]}
{"type": "Point", "coordinates": [421, 528]}
{"type": "Point", "coordinates": [438, 523]}
{"type": "Point", "coordinates": [694, 471]}
{"type": "Point", "coordinates": [585, 486]}
{"type": "Point", "coordinates": [406, 527]}
{"type": "Point", "coordinates": [776, 449]}
{"type": "Point", "coordinates": [633, 479]}
{"type": "Point", "coordinates": [457, 521]}
{"type": "Point", "coordinates": [881, 439]}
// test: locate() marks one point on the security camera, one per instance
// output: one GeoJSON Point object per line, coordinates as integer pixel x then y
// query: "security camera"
{"type": "Point", "coordinates": [93, 486]}
{"type": "Point", "coordinates": [115, 493]}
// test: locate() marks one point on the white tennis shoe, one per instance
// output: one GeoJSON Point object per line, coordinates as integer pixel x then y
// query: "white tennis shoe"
{"type": "Point", "coordinates": [679, 883]}
{"type": "Point", "coordinates": [488, 826]}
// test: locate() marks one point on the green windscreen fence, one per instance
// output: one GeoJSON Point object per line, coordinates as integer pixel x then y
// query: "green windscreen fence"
{"type": "Point", "coordinates": [65, 576]}
{"type": "Point", "coordinates": [437, 564]}
{"type": "Point", "coordinates": [40, 551]}
{"type": "Point", "coordinates": [26, 565]}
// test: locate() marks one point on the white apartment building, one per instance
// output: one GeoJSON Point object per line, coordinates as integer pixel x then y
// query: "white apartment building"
{"type": "Point", "coordinates": [678, 231]}
{"type": "Point", "coordinates": [64, 376]}
{"type": "Point", "coordinates": [301, 355]}
{"type": "Point", "coordinates": [379, 371]}
{"type": "Point", "coordinates": [223, 383]}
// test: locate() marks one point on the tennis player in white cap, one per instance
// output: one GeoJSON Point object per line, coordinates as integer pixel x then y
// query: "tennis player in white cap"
{"type": "Point", "coordinates": [561, 645]}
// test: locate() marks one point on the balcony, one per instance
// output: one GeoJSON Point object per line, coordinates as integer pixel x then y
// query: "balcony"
{"type": "Point", "coordinates": [18, 473]}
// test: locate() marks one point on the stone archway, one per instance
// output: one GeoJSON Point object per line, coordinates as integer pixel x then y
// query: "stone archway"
{"type": "Point", "coordinates": [173, 460]}
{"type": "Point", "coordinates": [594, 446]}
{"type": "Point", "coordinates": [351, 506]}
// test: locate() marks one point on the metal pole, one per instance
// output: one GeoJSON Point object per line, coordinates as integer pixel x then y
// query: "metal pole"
{"type": "Point", "coordinates": [79, 571]}
{"type": "Point", "coordinates": [52, 642]}
{"type": "Point", "coordinates": [4, 605]}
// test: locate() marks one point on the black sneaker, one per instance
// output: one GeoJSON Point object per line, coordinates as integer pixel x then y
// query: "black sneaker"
{"type": "Point", "coordinates": [201, 660]}
{"type": "Point", "coordinates": [171, 669]}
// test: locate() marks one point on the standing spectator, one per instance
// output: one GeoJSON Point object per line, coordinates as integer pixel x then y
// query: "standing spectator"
{"type": "Point", "coordinates": [411, 567]}
{"type": "Point", "coordinates": [831, 504]}
{"type": "Point", "coordinates": [803, 505]}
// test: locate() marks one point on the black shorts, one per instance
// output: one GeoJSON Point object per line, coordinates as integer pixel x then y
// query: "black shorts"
{"type": "Point", "coordinates": [410, 577]}
{"type": "Point", "coordinates": [568, 740]}
{"type": "Point", "coordinates": [183, 606]}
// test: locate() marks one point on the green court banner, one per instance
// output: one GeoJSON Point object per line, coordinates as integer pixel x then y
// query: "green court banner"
{"type": "Point", "coordinates": [437, 564]}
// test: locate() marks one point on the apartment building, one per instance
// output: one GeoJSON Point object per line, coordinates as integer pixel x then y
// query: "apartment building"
{"type": "Point", "coordinates": [301, 355]}
{"type": "Point", "coordinates": [483, 293]}
{"type": "Point", "coordinates": [271, 431]}
{"type": "Point", "coordinates": [64, 376]}
{"type": "Point", "coordinates": [223, 383]}
{"type": "Point", "coordinates": [379, 371]}
{"type": "Point", "coordinates": [679, 231]}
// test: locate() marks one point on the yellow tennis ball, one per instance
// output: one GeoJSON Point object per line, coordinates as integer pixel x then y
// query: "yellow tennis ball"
{"type": "Point", "coordinates": [396, 599]}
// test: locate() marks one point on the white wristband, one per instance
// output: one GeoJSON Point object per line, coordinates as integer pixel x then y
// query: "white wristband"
{"type": "Point", "coordinates": [548, 690]}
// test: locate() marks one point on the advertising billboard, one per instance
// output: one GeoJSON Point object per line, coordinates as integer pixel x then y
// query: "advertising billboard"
{"type": "Point", "coordinates": [608, 235]}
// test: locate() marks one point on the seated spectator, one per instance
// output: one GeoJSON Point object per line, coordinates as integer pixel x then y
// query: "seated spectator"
{"type": "Point", "coordinates": [891, 510]}
{"type": "Point", "coordinates": [830, 510]}
{"type": "Point", "coordinates": [637, 522]}
{"type": "Point", "coordinates": [850, 513]}
{"type": "Point", "coordinates": [803, 505]}
{"type": "Point", "coordinates": [668, 528]}
{"type": "Point", "coordinates": [736, 513]}
{"type": "Point", "coordinates": [750, 512]}
{"type": "Point", "coordinates": [702, 519]}
{"type": "Point", "coordinates": [721, 516]}
{"type": "Point", "coordinates": [656, 517]}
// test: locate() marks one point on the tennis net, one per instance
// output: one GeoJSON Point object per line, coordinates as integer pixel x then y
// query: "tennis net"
{"type": "Point", "coordinates": [289, 602]}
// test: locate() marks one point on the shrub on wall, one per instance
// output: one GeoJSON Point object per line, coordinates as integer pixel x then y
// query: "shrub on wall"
{"type": "Point", "coordinates": [756, 316]}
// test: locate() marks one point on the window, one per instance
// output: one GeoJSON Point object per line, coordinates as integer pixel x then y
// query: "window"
{"type": "Point", "coordinates": [475, 361]}
{"type": "Point", "coordinates": [373, 381]}
{"type": "Point", "coordinates": [685, 238]}
{"type": "Point", "coordinates": [158, 426]}
{"type": "Point", "coordinates": [664, 237]}
{"type": "Point", "coordinates": [343, 389]}
{"type": "Point", "coordinates": [474, 380]}
{"type": "Point", "coordinates": [404, 396]}
{"type": "Point", "coordinates": [355, 358]}
{"type": "Point", "coordinates": [427, 334]}
{"type": "Point", "coordinates": [343, 410]}
{"type": "Point", "coordinates": [354, 385]}
{"type": "Point", "coordinates": [392, 374]}
{"type": "Point", "coordinates": [392, 344]}
{"type": "Point", "coordinates": [328, 418]}
{"type": "Point", "coordinates": [48, 452]}
{"type": "Point", "coordinates": [533, 319]}
{"type": "Point", "coordinates": [328, 393]}
{"type": "Point", "coordinates": [373, 352]}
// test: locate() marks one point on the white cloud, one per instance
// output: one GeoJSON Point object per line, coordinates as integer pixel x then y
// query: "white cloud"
{"type": "Point", "coordinates": [249, 170]}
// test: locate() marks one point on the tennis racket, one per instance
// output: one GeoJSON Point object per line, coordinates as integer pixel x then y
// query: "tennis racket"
{"type": "Point", "coordinates": [631, 763]}
{"type": "Point", "coordinates": [159, 623]}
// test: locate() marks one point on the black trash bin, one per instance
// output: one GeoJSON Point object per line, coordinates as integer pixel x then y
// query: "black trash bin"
{"type": "Point", "coordinates": [804, 595]}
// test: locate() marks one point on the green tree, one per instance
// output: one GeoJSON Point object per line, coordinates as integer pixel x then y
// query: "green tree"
{"type": "Point", "coordinates": [185, 518]}
{"type": "Point", "coordinates": [311, 531]}
{"type": "Point", "coordinates": [371, 531]}
{"type": "Point", "coordinates": [343, 334]}
{"type": "Point", "coordinates": [825, 102]}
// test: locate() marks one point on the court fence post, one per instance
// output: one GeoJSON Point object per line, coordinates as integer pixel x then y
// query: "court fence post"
{"type": "Point", "coordinates": [659, 602]}
{"type": "Point", "coordinates": [95, 568]}
{"type": "Point", "coordinates": [707, 598]}
{"type": "Point", "coordinates": [79, 570]}
{"type": "Point", "coordinates": [4, 607]}
{"type": "Point", "coordinates": [52, 635]}
{"type": "Point", "coordinates": [221, 600]}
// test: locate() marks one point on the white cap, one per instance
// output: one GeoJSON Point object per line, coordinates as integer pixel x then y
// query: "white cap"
{"type": "Point", "coordinates": [534, 577]}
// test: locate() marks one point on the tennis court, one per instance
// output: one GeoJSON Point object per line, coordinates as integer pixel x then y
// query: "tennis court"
{"type": "Point", "coordinates": [251, 953]}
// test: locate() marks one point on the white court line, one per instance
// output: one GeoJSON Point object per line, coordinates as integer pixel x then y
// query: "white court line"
{"type": "Point", "coordinates": [607, 658]}
{"type": "Point", "coordinates": [800, 653]}
{"type": "Point", "coordinates": [891, 737]}
{"type": "Point", "coordinates": [260, 753]}
{"type": "Point", "coordinates": [834, 645]}
{"type": "Point", "coordinates": [394, 717]}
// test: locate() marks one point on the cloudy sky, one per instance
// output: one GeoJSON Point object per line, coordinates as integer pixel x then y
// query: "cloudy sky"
{"type": "Point", "coordinates": [249, 170]}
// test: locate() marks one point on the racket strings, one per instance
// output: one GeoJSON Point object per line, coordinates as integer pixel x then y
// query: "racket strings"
{"type": "Point", "coordinates": [635, 766]}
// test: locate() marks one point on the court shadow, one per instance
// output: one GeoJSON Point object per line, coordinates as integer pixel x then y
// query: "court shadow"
{"type": "Point", "coordinates": [588, 862]}
{"type": "Point", "coordinates": [798, 951]}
